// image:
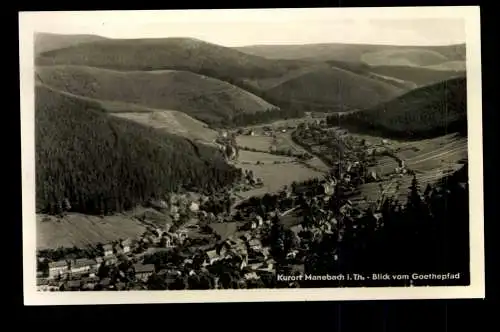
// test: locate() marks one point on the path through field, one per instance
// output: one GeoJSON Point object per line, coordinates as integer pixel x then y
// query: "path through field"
{"type": "Point", "coordinates": [430, 159]}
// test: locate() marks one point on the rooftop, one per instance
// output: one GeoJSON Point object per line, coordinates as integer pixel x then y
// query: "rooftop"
{"type": "Point", "coordinates": [224, 229]}
{"type": "Point", "coordinates": [83, 262]}
{"type": "Point", "coordinates": [74, 283]}
{"type": "Point", "coordinates": [212, 254]}
{"type": "Point", "coordinates": [60, 263]}
{"type": "Point", "coordinates": [144, 268]}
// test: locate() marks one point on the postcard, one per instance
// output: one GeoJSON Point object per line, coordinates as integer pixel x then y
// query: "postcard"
{"type": "Point", "coordinates": [180, 156]}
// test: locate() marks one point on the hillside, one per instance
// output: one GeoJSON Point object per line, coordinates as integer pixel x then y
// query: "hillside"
{"type": "Point", "coordinates": [45, 42]}
{"type": "Point", "coordinates": [403, 57]}
{"type": "Point", "coordinates": [349, 52]}
{"type": "Point", "coordinates": [168, 53]}
{"type": "Point", "coordinates": [174, 122]}
{"type": "Point", "coordinates": [204, 98]}
{"type": "Point", "coordinates": [101, 164]}
{"type": "Point", "coordinates": [332, 90]}
{"type": "Point", "coordinates": [425, 112]}
{"type": "Point", "coordinates": [418, 75]}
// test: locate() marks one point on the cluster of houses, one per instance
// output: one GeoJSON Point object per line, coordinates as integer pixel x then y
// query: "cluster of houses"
{"type": "Point", "coordinates": [81, 272]}
{"type": "Point", "coordinates": [246, 247]}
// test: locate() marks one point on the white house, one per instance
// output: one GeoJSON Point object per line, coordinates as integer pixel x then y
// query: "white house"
{"type": "Point", "coordinates": [194, 207]}
{"type": "Point", "coordinates": [83, 265]}
{"type": "Point", "coordinates": [127, 245]}
{"type": "Point", "coordinates": [108, 249]}
{"type": "Point", "coordinates": [58, 268]}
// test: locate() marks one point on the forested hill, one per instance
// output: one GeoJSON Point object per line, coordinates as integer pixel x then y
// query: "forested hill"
{"type": "Point", "coordinates": [90, 162]}
{"type": "Point", "coordinates": [425, 112]}
{"type": "Point", "coordinates": [186, 54]}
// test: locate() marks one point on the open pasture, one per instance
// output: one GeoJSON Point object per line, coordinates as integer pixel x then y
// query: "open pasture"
{"type": "Point", "coordinates": [250, 157]}
{"type": "Point", "coordinates": [81, 230]}
{"type": "Point", "coordinates": [430, 159]}
{"type": "Point", "coordinates": [424, 155]}
{"type": "Point", "coordinates": [259, 142]}
{"type": "Point", "coordinates": [276, 176]}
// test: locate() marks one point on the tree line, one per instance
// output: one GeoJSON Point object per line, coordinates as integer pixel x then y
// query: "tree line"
{"type": "Point", "coordinates": [89, 162]}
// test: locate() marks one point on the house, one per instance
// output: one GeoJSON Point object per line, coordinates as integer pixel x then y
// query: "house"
{"type": "Point", "coordinates": [194, 207]}
{"type": "Point", "coordinates": [251, 276]}
{"type": "Point", "coordinates": [89, 283]}
{"type": "Point", "coordinates": [143, 271]}
{"type": "Point", "coordinates": [83, 265]}
{"type": "Point", "coordinates": [74, 285]}
{"type": "Point", "coordinates": [110, 260]}
{"type": "Point", "coordinates": [267, 268]}
{"type": "Point", "coordinates": [126, 245]}
{"type": "Point", "coordinates": [106, 282]}
{"type": "Point", "coordinates": [42, 285]}
{"type": "Point", "coordinates": [58, 268]}
{"type": "Point", "coordinates": [93, 272]}
{"type": "Point", "coordinates": [108, 249]}
{"type": "Point", "coordinates": [255, 244]}
{"type": "Point", "coordinates": [211, 257]}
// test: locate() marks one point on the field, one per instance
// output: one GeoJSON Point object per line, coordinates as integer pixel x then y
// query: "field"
{"type": "Point", "coordinates": [81, 230]}
{"type": "Point", "coordinates": [404, 57]}
{"type": "Point", "coordinates": [274, 170]}
{"type": "Point", "coordinates": [430, 159]}
{"type": "Point", "coordinates": [174, 122]}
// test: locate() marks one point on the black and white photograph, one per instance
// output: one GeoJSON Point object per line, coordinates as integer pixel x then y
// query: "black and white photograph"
{"type": "Point", "coordinates": [251, 155]}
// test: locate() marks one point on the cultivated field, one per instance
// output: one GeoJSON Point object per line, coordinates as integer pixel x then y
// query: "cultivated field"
{"type": "Point", "coordinates": [430, 159]}
{"type": "Point", "coordinates": [251, 158]}
{"type": "Point", "coordinates": [174, 122]}
{"type": "Point", "coordinates": [81, 230]}
{"type": "Point", "coordinates": [275, 171]}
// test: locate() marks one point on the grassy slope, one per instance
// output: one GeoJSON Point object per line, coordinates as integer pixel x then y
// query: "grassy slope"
{"type": "Point", "coordinates": [45, 42]}
{"type": "Point", "coordinates": [429, 111]}
{"type": "Point", "coordinates": [202, 97]}
{"type": "Point", "coordinates": [174, 122]}
{"type": "Point", "coordinates": [343, 52]}
{"type": "Point", "coordinates": [408, 57]}
{"type": "Point", "coordinates": [415, 65]}
{"type": "Point", "coordinates": [419, 76]}
{"type": "Point", "coordinates": [334, 89]}
{"type": "Point", "coordinates": [168, 53]}
{"type": "Point", "coordinates": [81, 152]}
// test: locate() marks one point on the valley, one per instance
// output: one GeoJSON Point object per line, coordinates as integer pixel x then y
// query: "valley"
{"type": "Point", "coordinates": [294, 150]}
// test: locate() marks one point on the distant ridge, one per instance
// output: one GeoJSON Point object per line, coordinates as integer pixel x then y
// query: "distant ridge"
{"type": "Point", "coordinates": [334, 90]}
{"type": "Point", "coordinates": [429, 111]}
{"type": "Point", "coordinates": [345, 52]}
{"type": "Point", "coordinates": [45, 42]}
{"type": "Point", "coordinates": [205, 98]}
{"type": "Point", "coordinates": [168, 53]}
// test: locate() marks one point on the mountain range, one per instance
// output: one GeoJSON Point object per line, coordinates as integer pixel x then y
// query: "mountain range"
{"type": "Point", "coordinates": [147, 103]}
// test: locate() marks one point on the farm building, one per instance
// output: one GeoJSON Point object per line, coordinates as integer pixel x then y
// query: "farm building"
{"type": "Point", "coordinates": [143, 271]}
{"type": "Point", "coordinates": [108, 249]}
{"type": "Point", "coordinates": [58, 268]}
{"type": "Point", "coordinates": [83, 265]}
{"type": "Point", "coordinates": [127, 245]}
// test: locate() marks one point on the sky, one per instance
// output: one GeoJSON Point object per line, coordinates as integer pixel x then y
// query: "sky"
{"type": "Point", "coordinates": [260, 27]}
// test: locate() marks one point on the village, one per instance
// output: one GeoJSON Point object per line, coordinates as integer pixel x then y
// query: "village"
{"type": "Point", "coordinates": [206, 239]}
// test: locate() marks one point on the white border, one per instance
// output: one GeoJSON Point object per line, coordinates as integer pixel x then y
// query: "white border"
{"type": "Point", "coordinates": [27, 25]}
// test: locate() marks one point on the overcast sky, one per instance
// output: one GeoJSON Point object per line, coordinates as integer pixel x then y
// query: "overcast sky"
{"type": "Point", "coordinates": [239, 28]}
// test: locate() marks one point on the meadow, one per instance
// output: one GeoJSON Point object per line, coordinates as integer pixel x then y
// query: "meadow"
{"type": "Point", "coordinates": [430, 159]}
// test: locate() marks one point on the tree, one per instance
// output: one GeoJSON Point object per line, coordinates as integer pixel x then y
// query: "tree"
{"type": "Point", "coordinates": [156, 282]}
